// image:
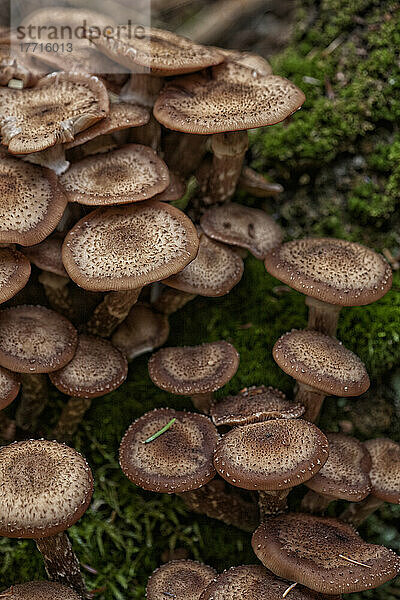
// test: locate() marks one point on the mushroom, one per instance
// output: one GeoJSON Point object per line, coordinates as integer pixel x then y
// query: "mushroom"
{"type": "Point", "coordinates": [257, 185]}
{"type": "Point", "coordinates": [180, 580]}
{"type": "Point", "coordinates": [344, 475]}
{"type": "Point", "coordinates": [271, 457]}
{"type": "Point", "coordinates": [255, 62]}
{"type": "Point", "coordinates": [195, 371]}
{"type": "Point", "coordinates": [121, 249]}
{"type": "Point", "coordinates": [385, 480]}
{"type": "Point", "coordinates": [169, 451]}
{"type": "Point", "coordinates": [40, 590]}
{"type": "Point", "coordinates": [15, 271]}
{"type": "Point", "coordinates": [96, 369]}
{"type": "Point", "coordinates": [46, 488]}
{"type": "Point", "coordinates": [9, 388]}
{"type": "Point", "coordinates": [239, 225]}
{"type": "Point", "coordinates": [321, 366]}
{"type": "Point", "coordinates": [332, 273]}
{"type": "Point", "coordinates": [175, 190]}
{"type": "Point", "coordinates": [324, 554]}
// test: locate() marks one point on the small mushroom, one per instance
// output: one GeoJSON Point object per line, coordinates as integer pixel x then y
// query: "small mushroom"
{"type": "Point", "coordinates": [332, 273]}
{"type": "Point", "coordinates": [96, 369]}
{"type": "Point", "coordinates": [325, 555]}
{"type": "Point", "coordinates": [257, 185]}
{"type": "Point", "coordinates": [195, 371]}
{"type": "Point", "coordinates": [180, 580]}
{"type": "Point", "coordinates": [252, 61]}
{"type": "Point", "coordinates": [40, 590]}
{"type": "Point", "coordinates": [15, 271]}
{"type": "Point", "coordinates": [321, 366]}
{"type": "Point", "coordinates": [175, 190]}
{"type": "Point", "coordinates": [46, 488]}
{"type": "Point", "coordinates": [9, 388]}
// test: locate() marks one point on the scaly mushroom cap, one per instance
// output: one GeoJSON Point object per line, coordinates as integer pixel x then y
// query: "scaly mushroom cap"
{"type": "Point", "coordinates": [256, 63]}
{"type": "Point", "coordinates": [214, 272]}
{"type": "Point", "coordinates": [180, 579]}
{"type": "Point", "coordinates": [239, 225]}
{"type": "Point", "coordinates": [254, 405]}
{"type": "Point", "coordinates": [345, 473]}
{"type": "Point", "coordinates": [385, 470]}
{"type": "Point", "coordinates": [46, 488]}
{"type": "Point", "coordinates": [121, 116]}
{"type": "Point", "coordinates": [15, 65]}
{"type": "Point", "coordinates": [127, 247]}
{"type": "Point", "coordinates": [47, 255]}
{"type": "Point", "coordinates": [31, 202]}
{"type": "Point", "coordinates": [9, 387]}
{"type": "Point", "coordinates": [163, 53]}
{"type": "Point", "coordinates": [273, 455]}
{"type": "Point", "coordinates": [331, 270]}
{"type": "Point", "coordinates": [188, 370]}
{"type": "Point", "coordinates": [35, 339]}
{"type": "Point", "coordinates": [125, 175]}
{"type": "Point", "coordinates": [230, 98]}
{"type": "Point", "coordinates": [142, 331]}
{"type": "Point", "coordinates": [322, 362]}
{"type": "Point", "coordinates": [15, 270]}
{"type": "Point", "coordinates": [307, 549]}
{"type": "Point", "coordinates": [254, 582]}
{"type": "Point", "coordinates": [178, 460]}
{"type": "Point", "coordinates": [96, 369]}
{"type": "Point", "coordinates": [40, 590]}
{"type": "Point", "coordinates": [175, 190]}
{"type": "Point", "coordinates": [61, 105]}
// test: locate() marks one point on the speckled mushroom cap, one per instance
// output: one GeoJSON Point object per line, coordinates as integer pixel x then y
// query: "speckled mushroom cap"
{"type": "Point", "coordinates": [31, 202]}
{"type": "Point", "coordinates": [190, 370]}
{"type": "Point", "coordinates": [306, 549]}
{"type": "Point", "coordinates": [46, 488]}
{"type": "Point", "coordinates": [242, 226]}
{"type": "Point", "coordinates": [345, 473]}
{"type": "Point", "coordinates": [9, 387]}
{"type": "Point", "coordinates": [254, 582]}
{"type": "Point", "coordinates": [58, 107]}
{"type": "Point", "coordinates": [96, 369]}
{"type": "Point", "coordinates": [159, 52]}
{"type": "Point", "coordinates": [230, 98]}
{"type": "Point", "coordinates": [179, 579]}
{"type": "Point", "coordinates": [40, 590]}
{"type": "Point", "coordinates": [272, 455]}
{"type": "Point", "coordinates": [254, 405]}
{"type": "Point", "coordinates": [179, 460]}
{"type": "Point", "coordinates": [331, 270]}
{"type": "Point", "coordinates": [322, 362]}
{"type": "Point", "coordinates": [121, 116]}
{"type": "Point", "coordinates": [15, 270]}
{"type": "Point", "coordinates": [247, 59]}
{"type": "Point", "coordinates": [127, 247]}
{"type": "Point", "coordinates": [35, 339]}
{"type": "Point", "coordinates": [175, 190]}
{"type": "Point", "coordinates": [214, 272]}
{"type": "Point", "coordinates": [47, 255]}
{"type": "Point", "coordinates": [125, 175]}
{"type": "Point", "coordinates": [385, 470]}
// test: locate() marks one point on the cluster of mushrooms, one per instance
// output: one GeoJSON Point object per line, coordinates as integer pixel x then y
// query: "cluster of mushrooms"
{"type": "Point", "coordinates": [92, 171]}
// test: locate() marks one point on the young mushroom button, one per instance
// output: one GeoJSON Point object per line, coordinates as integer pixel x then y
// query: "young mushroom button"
{"type": "Point", "coordinates": [180, 580]}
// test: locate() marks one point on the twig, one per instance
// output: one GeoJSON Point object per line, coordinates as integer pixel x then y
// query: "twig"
{"type": "Point", "coordinates": [163, 430]}
{"type": "Point", "coordinates": [286, 592]}
{"type": "Point", "coordinates": [355, 562]}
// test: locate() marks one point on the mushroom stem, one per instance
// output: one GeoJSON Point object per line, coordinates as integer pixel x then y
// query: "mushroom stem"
{"type": "Point", "coordinates": [311, 398]}
{"type": "Point", "coordinates": [322, 316]}
{"type": "Point", "coordinates": [57, 293]}
{"type": "Point", "coordinates": [357, 512]}
{"type": "Point", "coordinates": [203, 401]}
{"type": "Point", "coordinates": [171, 300]}
{"type": "Point", "coordinates": [272, 502]}
{"type": "Point", "coordinates": [71, 416]}
{"type": "Point", "coordinates": [34, 398]}
{"type": "Point", "coordinates": [184, 152]}
{"type": "Point", "coordinates": [315, 503]}
{"type": "Point", "coordinates": [112, 311]}
{"type": "Point", "coordinates": [61, 563]}
{"type": "Point", "coordinates": [53, 158]}
{"type": "Point", "coordinates": [148, 135]}
{"type": "Point", "coordinates": [7, 427]}
{"type": "Point", "coordinates": [141, 89]}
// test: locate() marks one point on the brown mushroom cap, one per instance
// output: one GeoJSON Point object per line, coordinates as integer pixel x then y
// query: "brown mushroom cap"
{"type": "Point", "coordinates": [345, 473]}
{"type": "Point", "coordinates": [130, 246]}
{"type": "Point", "coordinates": [15, 270]}
{"type": "Point", "coordinates": [125, 175]}
{"type": "Point", "coordinates": [331, 270]}
{"type": "Point", "coordinates": [254, 405]}
{"type": "Point", "coordinates": [40, 590]}
{"type": "Point", "coordinates": [231, 98]}
{"type": "Point", "coordinates": [214, 272]}
{"type": "Point", "coordinates": [35, 339]}
{"type": "Point", "coordinates": [188, 370]}
{"type": "Point", "coordinates": [239, 225]}
{"type": "Point", "coordinates": [179, 460]}
{"type": "Point", "coordinates": [175, 190]}
{"type": "Point", "coordinates": [385, 470]}
{"type": "Point", "coordinates": [322, 362]}
{"type": "Point", "coordinates": [272, 455]}
{"type": "Point", "coordinates": [307, 549]}
{"type": "Point", "coordinates": [179, 579]}
{"type": "Point", "coordinates": [47, 255]}
{"type": "Point", "coordinates": [97, 368]}
{"type": "Point", "coordinates": [46, 488]}
{"type": "Point", "coordinates": [31, 202]}
{"type": "Point", "coordinates": [9, 387]}
{"type": "Point", "coordinates": [247, 59]}
{"type": "Point", "coordinates": [254, 582]}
